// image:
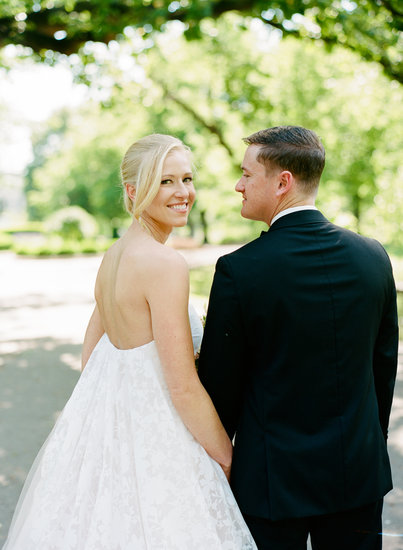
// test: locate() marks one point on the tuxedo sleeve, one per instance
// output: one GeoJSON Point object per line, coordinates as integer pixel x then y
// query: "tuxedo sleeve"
{"type": "Point", "coordinates": [222, 356]}
{"type": "Point", "coordinates": [385, 358]}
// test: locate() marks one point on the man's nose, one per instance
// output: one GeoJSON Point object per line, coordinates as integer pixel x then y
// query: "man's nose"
{"type": "Point", "coordinates": [239, 186]}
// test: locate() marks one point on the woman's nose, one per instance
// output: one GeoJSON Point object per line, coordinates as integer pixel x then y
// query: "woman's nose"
{"type": "Point", "coordinates": [181, 189]}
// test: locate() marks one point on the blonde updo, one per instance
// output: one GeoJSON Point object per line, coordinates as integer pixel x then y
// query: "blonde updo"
{"type": "Point", "coordinates": [142, 168]}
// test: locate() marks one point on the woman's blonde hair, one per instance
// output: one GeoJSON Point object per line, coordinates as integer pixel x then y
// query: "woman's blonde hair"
{"type": "Point", "coordinates": [142, 168]}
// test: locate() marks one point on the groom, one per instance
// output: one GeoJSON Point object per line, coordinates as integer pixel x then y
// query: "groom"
{"type": "Point", "coordinates": [299, 357]}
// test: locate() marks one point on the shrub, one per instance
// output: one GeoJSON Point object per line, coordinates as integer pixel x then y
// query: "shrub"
{"type": "Point", "coordinates": [72, 223]}
{"type": "Point", "coordinates": [56, 246]}
{"type": "Point", "coordinates": [27, 227]}
{"type": "Point", "coordinates": [6, 242]}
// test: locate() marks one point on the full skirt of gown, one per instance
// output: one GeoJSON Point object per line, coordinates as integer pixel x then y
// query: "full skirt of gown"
{"type": "Point", "coordinates": [120, 471]}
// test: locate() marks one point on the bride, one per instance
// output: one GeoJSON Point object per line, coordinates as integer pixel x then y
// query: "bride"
{"type": "Point", "coordinates": [138, 459]}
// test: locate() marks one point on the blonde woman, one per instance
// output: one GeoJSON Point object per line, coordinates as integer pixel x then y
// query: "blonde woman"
{"type": "Point", "coordinates": [138, 459]}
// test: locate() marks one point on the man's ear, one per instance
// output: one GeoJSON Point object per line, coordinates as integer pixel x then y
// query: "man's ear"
{"type": "Point", "coordinates": [131, 191]}
{"type": "Point", "coordinates": [284, 183]}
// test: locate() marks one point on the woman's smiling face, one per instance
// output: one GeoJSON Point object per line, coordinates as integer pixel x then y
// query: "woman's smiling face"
{"type": "Point", "coordinates": [174, 200]}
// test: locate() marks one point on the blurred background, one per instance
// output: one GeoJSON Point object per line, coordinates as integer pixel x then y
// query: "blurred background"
{"type": "Point", "coordinates": [80, 80]}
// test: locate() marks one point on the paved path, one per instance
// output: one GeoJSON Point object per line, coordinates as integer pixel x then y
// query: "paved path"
{"type": "Point", "coordinates": [44, 308]}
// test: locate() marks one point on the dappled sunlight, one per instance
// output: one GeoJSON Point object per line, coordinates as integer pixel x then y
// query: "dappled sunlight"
{"type": "Point", "coordinates": [44, 315]}
{"type": "Point", "coordinates": [73, 361]}
{"type": "Point", "coordinates": [36, 380]}
{"type": "Point", "coordinates": [73, 136]}
{"type": "Point", "coordinates": [395, 439]}
{"type": "Point", "coordinates": [393, 506]}
{"type": "Point", "coordinates": [3, 480]}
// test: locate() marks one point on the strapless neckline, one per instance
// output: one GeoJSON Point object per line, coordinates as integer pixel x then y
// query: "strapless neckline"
{"type": "Point", "coordinates": [135, 348]}
{"type": "Point", "coordinates": [195, 325]}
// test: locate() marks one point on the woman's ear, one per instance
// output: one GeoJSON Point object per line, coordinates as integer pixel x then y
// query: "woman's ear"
{"type": "Point", "coordinates": [131, 191]}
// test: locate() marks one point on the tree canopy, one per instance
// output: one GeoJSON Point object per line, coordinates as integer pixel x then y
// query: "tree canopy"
{"type": "Point", "coordinates": [371, 28]}
{"type": "Point", "coordinates": [353, 107]}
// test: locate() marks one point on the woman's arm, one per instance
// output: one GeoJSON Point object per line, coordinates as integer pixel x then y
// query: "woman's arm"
{"type": "Point", "coordinates": [167, 296]}
{"type": "Point", "coordinates": [92, 336]}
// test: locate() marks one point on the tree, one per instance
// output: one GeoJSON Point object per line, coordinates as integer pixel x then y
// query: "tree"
{"type": "Point", "coordinates": [348, 102]}
{"type": "Point", "coordinates": [372, 28]}
{"type": "Point", "coordinates": [44, 144]}
{"type": "Point", "coordinates": [76, 168]}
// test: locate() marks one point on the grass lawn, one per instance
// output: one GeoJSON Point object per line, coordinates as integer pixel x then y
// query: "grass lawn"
{"type": "Point", "coordinates": [201, 279]}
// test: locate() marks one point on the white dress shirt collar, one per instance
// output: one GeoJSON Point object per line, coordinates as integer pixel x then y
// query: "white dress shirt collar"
{"type": "Point", "coordinates": [291, 210]}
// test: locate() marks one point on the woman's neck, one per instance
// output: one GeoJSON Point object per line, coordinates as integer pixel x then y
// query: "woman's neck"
{"type": "Point", "coordinates": [148, 226]}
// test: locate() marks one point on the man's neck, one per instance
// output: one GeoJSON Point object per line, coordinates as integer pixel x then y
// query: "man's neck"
{"type": "Point", "coordinates": [292, 209]}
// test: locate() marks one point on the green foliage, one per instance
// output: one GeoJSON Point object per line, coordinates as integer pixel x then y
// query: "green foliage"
{"type": "Point", "coordinates": [57, 246]}
{"type": "Point", "coordinates": [6, 241]}
{"type": "Point", "coordinates": [44, 144]}
{"type": "Point", "coordinates": [201, 279]}
{"type": "Point", "coordinates": [371, 27]}
{"type": "Point", "coordinates": [72, 223]}
{"type": "Point", "coordinates": [397, 262]}
{"type": "Point", "coordinates": [28, 227]}
{"type": "Point", "coordinates": [356, 112]}
{"type": "Point", "coordinates": [75, 168]}
{"type": "Point", "coordinates": [249, 81]}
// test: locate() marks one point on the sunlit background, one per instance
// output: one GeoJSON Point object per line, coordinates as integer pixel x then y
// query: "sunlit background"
{"type": "Point", "coordinates": [80, 81]}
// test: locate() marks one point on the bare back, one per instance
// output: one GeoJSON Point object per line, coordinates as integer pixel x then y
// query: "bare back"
{"type": "Point", "coordinates": [121, 287]}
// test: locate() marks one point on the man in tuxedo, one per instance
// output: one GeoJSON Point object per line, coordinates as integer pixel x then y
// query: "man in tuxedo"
{"type": "Point", "coordinates": [299, 357]}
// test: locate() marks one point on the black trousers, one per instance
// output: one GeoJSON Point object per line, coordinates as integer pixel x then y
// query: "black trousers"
{"type": "Point", "coordinates": [356, 529]}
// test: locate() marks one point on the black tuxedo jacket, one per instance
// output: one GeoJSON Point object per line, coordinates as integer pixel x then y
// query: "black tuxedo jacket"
{"type": "Point", "coordinates": [299, 356]}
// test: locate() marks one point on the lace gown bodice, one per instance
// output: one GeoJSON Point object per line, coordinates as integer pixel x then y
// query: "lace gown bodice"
{"type": "Point", "coordinates": [120, 471]}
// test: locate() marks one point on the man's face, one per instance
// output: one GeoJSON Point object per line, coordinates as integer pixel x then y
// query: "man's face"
{"type": "Point", "coordinates": [258, 188]}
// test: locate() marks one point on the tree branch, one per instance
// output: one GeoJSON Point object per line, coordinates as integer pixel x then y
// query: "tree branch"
{"type": "Point", "coordinates": [394, 11]}
{"type": "Point", "coordinates": [212, 128]}
{"type": "Point", "coordinates": [102, 21]}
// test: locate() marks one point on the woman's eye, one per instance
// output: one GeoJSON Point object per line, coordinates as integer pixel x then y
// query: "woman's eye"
{"type": "Point", "coordinates": [188, 180]}
{"type": "Point", "coordinates": [165, 182]}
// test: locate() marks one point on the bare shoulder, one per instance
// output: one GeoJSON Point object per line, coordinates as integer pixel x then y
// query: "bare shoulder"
{"type": "Point", "coordinates": [164, 260]}
{"type": "Point", "coordinates": [163, 275]}
{"type": "Point", "coordinates": [154, 259]}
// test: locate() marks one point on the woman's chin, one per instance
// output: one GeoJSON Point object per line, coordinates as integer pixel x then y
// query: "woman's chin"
{"type": "Point", "coordinates": [181, 223]}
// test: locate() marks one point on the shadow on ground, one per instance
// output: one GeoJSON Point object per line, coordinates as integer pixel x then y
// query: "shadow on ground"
{"type": "Point", "coordinates": [393, 508]}
{"type": "Point", "coordinates": [37, 377]}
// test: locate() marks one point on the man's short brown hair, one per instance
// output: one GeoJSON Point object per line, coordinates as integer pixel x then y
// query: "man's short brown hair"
{"type": "Point", "coordinates": [291, 148]}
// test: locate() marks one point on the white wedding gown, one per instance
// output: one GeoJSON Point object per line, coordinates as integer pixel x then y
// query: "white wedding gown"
{"type": "Point", "coordinates": [120, 471]}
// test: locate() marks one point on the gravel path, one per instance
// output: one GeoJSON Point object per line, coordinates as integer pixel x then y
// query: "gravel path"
{"type": "Point", "coordinates": [44, 308]}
